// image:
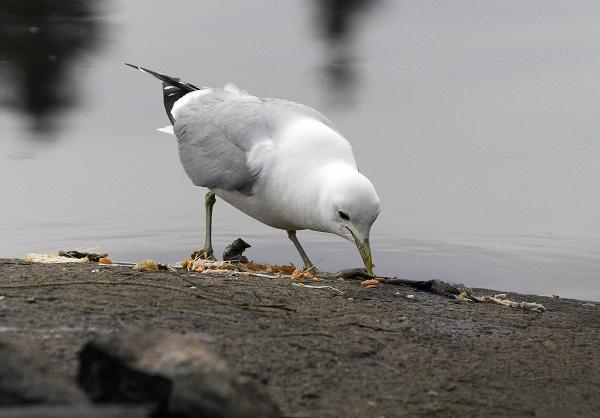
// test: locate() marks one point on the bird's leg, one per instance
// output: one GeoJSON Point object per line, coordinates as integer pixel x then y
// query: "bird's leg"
{"type": "Point", "coordinates": [308, 265]}
{"type": "Point", "coordinates": [207, 252]}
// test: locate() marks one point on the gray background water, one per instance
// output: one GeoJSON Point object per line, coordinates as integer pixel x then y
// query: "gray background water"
{"type": "Point", "coordinates": [477, 122]}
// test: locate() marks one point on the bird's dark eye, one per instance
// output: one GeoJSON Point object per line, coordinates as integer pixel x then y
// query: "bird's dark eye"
{"type": "Point", "coordinates": [343, 215]}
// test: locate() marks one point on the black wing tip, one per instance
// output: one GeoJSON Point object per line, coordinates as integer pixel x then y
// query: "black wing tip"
{"type": "Point", "coordinates": [173, 81]}
{"type": "Point", "coordinates": [145, 70]}
{"type": "Point", "coordinates": [137, 67]}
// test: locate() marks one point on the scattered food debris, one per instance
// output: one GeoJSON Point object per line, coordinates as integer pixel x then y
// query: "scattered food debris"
{"type": "Point", "coordinates": [303, 274]}
{"type": "Point", "coordinates": [149, 265]}
{"type": "Point", "coordinates": [195, 265]}
{"type": "Point", "coordinates": [185, 263]}
{"type": "Point", "coordinates": [250, 268]}
{"type": "Point", "coordinates": [268, 268]}
{"type": "Point", "coordinates": [235, 264]}
{"type": "Point", "coordinates": [199, 265]}
{"type": "Point", "coordinates": [530, 306]}
{"type": "Point", "coordinates": [51, 258]}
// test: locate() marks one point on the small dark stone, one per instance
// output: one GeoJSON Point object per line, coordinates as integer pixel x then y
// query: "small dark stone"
{"type": "Point", "coordinates": [235, 250]}
{"type": "Point", "coordinates": [82, 254]}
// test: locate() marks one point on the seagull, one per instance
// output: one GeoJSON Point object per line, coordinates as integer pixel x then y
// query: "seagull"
{"type": "Point", "coordinates": [280, 162]}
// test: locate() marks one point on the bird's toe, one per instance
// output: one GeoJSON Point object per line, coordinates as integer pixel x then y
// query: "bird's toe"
{"type": "Point", "coordinates": [203, 254]}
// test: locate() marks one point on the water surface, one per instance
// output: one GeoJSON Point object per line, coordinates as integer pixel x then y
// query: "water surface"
{"type": "Point", "coordinates": [477, 123]}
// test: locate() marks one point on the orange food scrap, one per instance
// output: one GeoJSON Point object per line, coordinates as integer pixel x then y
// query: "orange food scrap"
{"type": "Point", "coordinates": [252, 266]}
{"type": "Point", "coordinates": [268, 268]}
{"type": "Point", "coordinates": [303, 275]}
{"type": "Point", "coordinates": [370, 282]}
{"type": "Point", "coordinates": [105, 260]}
{"type": "Point", "coordinates": [284, 269]}
{"type": "Point", "coordinates": [186, 263]}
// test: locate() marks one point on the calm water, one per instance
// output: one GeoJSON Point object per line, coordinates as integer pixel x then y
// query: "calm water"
{"type": "Point", "coordinates": [476, 122]}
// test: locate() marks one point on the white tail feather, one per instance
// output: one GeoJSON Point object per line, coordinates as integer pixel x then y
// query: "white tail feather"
{"type": "Point", "coordinates": [167, 130]}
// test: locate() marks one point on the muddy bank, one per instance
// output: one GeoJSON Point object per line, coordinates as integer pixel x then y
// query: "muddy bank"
{"type": "Point", "coordinates": [322, 352]}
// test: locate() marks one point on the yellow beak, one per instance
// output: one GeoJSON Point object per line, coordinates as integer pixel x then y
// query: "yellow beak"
{"type": "Point", "coordinates": [364, 248]}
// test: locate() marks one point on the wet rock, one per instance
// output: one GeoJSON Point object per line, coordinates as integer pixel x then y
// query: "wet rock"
{"type": "Point", "coordinates": [25, 378]}
{"type": "Point", "coordinates": [178, 373]}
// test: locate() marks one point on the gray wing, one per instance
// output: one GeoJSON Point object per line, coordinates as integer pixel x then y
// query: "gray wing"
{"type": "Point", "coordinates": [216, 130]}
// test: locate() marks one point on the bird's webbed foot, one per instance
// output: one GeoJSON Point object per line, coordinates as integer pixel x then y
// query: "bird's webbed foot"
{"type": "Point", "coordinates": [204, 254]}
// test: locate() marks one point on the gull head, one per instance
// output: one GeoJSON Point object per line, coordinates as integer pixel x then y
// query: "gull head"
{"type": "Point", "coordinates": [349, 206]}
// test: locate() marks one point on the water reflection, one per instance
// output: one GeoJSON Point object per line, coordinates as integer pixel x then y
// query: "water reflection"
{"type": "Point", "coordinates": [40, 41]}
{"type": "Point", "coordinates": [337, 21]}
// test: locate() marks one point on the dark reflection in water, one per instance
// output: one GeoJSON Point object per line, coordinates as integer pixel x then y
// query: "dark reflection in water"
{"type": "Point", "coordinates": [40, 41]}
{"type": "Point", "coordinates": [337, 21]}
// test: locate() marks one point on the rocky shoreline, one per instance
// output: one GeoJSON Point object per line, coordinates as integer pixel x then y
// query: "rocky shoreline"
{"type": "Point", "coordinates": [334, 349]}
